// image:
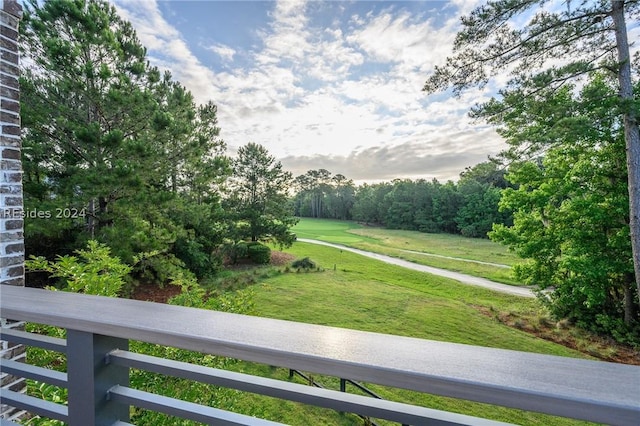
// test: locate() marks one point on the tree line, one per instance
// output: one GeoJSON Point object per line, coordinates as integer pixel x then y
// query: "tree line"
{"type": "Point", "coordinates": [468, 207]}
{"type": "Point", "coordinates": [124, 152]}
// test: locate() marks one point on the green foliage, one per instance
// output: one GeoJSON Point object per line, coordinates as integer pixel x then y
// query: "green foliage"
{"type": "Point", "coordinates": [480, 210]}
{"type": "Point", "coordinates": [125, 157]}
{"type": "Point", "coordinates": [258, 197]}
{"type": "Point", "coordinates": [259, 253]}
{"type": "Point", "coordinates": [66, 42]}
{"type": "Point", "coordinates": [304, 263]}
{"type": "Point", "coordinates": [469, 208]}
{"type": "Point", "coordinates": [195, 257]}
{"type": "Point", "coordinates": [94, 271]}
{"type": "Point", "coordinates": [495, 38]}
{"type": "Point", "coordinates": [480, 188]}
{"type": "Point", "coordinates": [45, 392]}
{"type": "Point", "coordinates": [197, 245]}
{"type": "Point", "coordinates": [240, 302]}
{"type": "Point", "coordinates": [571, 209]}
{"type": "Point", "coordinates": [406, 204]}
{"type": "Point", "coordinates": [322, 196]}
{"type": "Point", "coordinates": [235, 250]}
{"type": "Point", "coordinates": [570, 216]}
{"type": "Point", "coordinates": [161, 268]}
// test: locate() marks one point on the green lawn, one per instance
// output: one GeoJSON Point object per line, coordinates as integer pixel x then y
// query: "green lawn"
{"type": "Point", "coordinates": [466, 251]}
{"type": "Point", "coordinates": [365, 294]}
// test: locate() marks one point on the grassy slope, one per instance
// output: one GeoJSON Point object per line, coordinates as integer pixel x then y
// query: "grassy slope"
{"type": "Point", "coordinates": [393, 242]}
{"type": "Point", "coordinates": [365, 294]}
{"type": "Point", "coordinates": [370, 295]}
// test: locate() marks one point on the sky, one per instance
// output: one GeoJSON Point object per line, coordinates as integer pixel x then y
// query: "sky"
{"type": "Point", "coordinates": [324, 84]}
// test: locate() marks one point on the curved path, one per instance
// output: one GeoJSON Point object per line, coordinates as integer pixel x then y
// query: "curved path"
{"type": "Point", "coordinates": [463, 278]}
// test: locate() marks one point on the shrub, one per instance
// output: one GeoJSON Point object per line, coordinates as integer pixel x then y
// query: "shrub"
{"type": "Point", "coordinates": [259, 253]}
{"type": "Point", "coordinates": [235, 250]}
{"type": "Point", "coordinates": [305, 264]}
{"type": "Point", "coordinates": [93, 271]}
{"type": "Point", "coordinates": [196, 257]}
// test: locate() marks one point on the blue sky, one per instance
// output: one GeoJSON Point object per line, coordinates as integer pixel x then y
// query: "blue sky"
{"type": "Point", "coordinates": [324, 84]}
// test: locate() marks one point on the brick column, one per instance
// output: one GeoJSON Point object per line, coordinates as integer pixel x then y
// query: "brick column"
{"type": "Point", "coordinates": [11, 205]}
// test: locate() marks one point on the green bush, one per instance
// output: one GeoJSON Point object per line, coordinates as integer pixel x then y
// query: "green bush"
{"type": "Point", "coordinates": [234, 250]}
{"type": "Point", "coordinates": [196, 257]}
{"type": "Point", "coordinates": [240, 302]}
{"type": "Point", "coordinates": [93, 271]}
{"type": "Point", "coordinates": [305, 264]}
{"type": "Point", "coordinates": [259, 253]}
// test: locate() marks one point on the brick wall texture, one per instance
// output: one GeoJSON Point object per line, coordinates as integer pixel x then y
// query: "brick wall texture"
{"type": "Point", "coordinates": [11, 222]}
{"type": "Point", "coordinates": [11, 206]}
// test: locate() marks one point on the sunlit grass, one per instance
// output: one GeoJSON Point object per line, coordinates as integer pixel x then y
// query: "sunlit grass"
{"type": "Point", "coordinates": [356, 292]}
{"type": "Point", "coordinates": [466, 252]}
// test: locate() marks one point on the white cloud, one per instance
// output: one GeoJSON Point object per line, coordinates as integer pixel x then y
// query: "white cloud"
{"type": "Point", "coordinates": [225, 52]}
{"type": "Point", "coordinates": [167, 48]}
{"type": "Point", "coordinates": [363, 123]}
{"type": "Point", "coordinates": [439, 156]}
{"type": "Point", "coordinates": [287, 39]}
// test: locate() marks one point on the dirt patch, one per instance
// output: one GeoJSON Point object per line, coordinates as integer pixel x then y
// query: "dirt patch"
{"type": "Point", "coordinates": [153, 292]}
{"type": "Point", "coordinates": [279, 258]}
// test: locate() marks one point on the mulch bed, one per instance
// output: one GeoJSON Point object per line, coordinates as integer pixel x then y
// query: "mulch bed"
{"type": "Point", "coordinates": [155, 293]}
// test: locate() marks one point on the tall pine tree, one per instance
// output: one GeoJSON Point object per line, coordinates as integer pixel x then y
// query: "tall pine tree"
{"type": "Point", "coordinates": [559, 43]}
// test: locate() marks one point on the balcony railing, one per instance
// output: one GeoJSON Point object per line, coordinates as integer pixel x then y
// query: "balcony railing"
{"type": "Point", "coordinates": [98, 363]}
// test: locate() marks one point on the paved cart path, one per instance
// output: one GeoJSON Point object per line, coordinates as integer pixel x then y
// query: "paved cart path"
{"type": "Point", "coordinates": [463, 278]}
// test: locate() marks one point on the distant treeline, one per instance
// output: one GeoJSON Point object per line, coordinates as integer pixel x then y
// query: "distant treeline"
{"type": "Point", "coordinates": [468, 207]}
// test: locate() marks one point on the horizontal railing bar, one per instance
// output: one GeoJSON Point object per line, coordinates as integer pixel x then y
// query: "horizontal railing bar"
{"type": "Point", "coordinates": [120, 423]}
{"type": "Point", "coordinates": [34, 405]}
{"type": "Point", "coordinates": [29, 371]}
{"type": "Point", "coordinates": [33, 339]}
{"type": "Point", "coordinates": [340, 401]}
{"type": "Point", "coordinates": [182, 409]}
{"type": "Point", "coordinates": [545, 383]}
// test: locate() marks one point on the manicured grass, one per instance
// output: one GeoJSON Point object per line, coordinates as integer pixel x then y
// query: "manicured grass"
{"type": "Point", "coordinates": [441, 244]}
{"type": "Point", "coordinates": [356, 292]}
{"type": "Point", "coordinates": [334, 231]}
{"type": "Point", "coordinates": [395, 242]}
{"type": "Point", "coordinates": [365, 294]}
